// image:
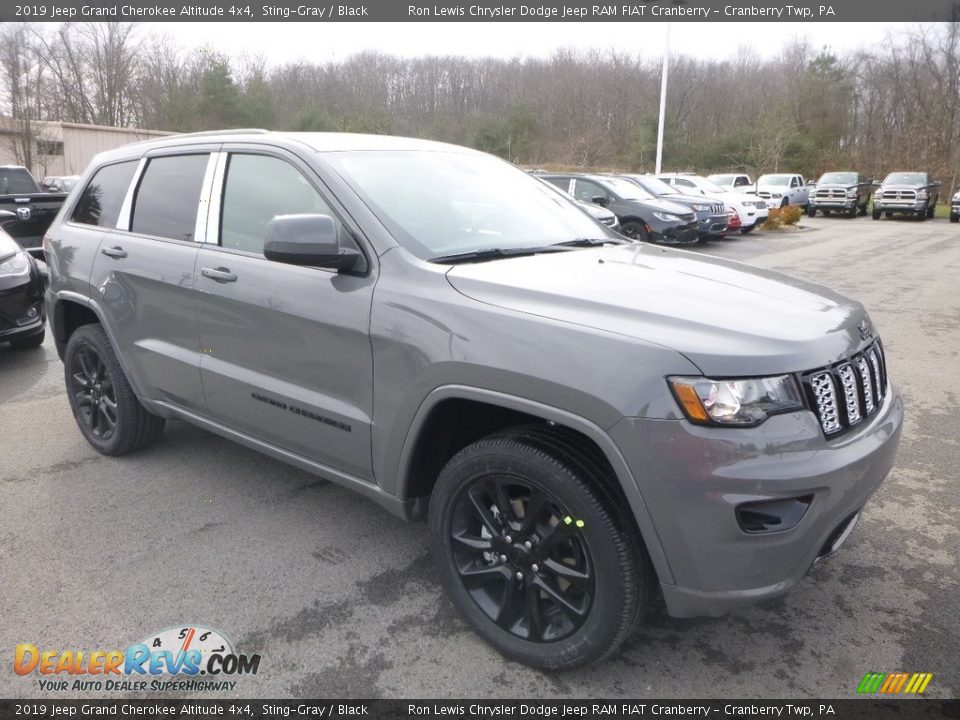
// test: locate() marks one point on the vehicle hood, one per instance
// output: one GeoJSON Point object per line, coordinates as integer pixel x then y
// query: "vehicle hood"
{"type": "Point", "coordinates": [684, 199]}
{"type": "Point", "coordinates": [595, 211]}
{"type": "Point", "coordinates": [728, 318]}
{"type": "Point", "coordinates": [902, 187]}
{"type": "Point", "coordinates": [834, 186]}
{"type": "Point", "coordinates": [657, 205]}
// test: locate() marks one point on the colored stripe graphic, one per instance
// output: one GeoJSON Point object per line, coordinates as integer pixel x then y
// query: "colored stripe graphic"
{"type": "Point", "coordinates": [894, 683]}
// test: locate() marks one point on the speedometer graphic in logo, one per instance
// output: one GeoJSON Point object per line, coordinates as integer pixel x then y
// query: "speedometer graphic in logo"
{"type": "Point", "coordinates": [191, 637]}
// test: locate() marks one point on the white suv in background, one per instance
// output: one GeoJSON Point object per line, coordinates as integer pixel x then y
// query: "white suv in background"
{"type": "Point", "coordinates": [751, 209]}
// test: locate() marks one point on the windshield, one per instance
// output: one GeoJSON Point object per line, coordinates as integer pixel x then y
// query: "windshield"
{"type": "Point", "coordinates": [706, 185]}
{"type": "Point", "coordinates": [654, 185]}
{"type": "Point", "coordinates": [14, 181]}
{"type": "Point", "coordinates": [774, 180]}
{"type": "Point", "coordinates": [723, 179]}
{"type": "Point", "coordinates": [906, 179]}
{"type": "Point", "coordinates": [445, 203]}
{"type": "Point", "coordinates": [626, 189]}
{"type": "Point", "coordinates": [838, 179]}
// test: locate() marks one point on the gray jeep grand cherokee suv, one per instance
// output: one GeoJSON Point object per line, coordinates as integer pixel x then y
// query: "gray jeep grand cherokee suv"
{"type": "Point", "coordinates": [583, 420]}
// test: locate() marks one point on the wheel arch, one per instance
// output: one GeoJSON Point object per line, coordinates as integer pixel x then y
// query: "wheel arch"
{"type": "Point", "coordinates": [423, 454]}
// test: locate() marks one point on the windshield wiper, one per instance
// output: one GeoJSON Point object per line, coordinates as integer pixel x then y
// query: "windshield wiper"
{"type": "Point", "coordinates": [492, 254]}
{"type": "Point", "coordinates": [588, 242]}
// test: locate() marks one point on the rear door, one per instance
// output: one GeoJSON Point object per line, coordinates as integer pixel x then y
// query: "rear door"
{"type": "Point", "coordinates": [286, 349]}
{"type": "Point", "coordinates": [143, 274]}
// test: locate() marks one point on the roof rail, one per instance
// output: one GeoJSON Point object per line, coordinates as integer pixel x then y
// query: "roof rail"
{"type": "Point", "coordinates": [231, 131]}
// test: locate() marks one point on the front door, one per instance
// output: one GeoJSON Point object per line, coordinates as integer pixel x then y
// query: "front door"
{"type": "Point", "coordinates": [286, 349]}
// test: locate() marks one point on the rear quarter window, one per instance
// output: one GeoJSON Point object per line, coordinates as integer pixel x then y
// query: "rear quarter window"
{"type": "Point", "coordinates": [168, 197]}
{"type": "Point", "coordinates": [100, 202]}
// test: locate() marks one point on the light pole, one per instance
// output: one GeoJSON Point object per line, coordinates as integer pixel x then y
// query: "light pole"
{"type": "Point", "coordinates": [663, 99]}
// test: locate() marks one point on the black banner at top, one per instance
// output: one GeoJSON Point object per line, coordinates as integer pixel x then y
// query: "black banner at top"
{"type": "Point", "coordinates": [480, 11]}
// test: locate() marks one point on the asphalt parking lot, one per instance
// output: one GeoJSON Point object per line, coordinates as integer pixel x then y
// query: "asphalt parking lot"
{"type": "Point", "coordinates": [341, 600]}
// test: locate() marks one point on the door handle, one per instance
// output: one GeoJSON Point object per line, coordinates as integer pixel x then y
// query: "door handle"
{"type": "Point", "coordinates": [220, 274]}
{"type": "Point", "coordinates": [115, 252]}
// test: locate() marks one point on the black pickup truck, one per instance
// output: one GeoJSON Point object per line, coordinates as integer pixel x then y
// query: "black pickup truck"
{"type": "Point", "coordinates": [34, 210]}
{"type": "Point", "coordinates": [846, 193]}
{"type": "Point", "coordinates": [907, 193]}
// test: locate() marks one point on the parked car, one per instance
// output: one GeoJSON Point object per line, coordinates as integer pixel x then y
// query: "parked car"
{"type": "Point", "coordinates": [907, 193]}
{"type": "Point", "coordinates": [750, 209]}
{"type": "Point", "coordinates": [583, 420]}
{"type": "Point", "coordinates": [22, 316]}
{"type": "Point", "coordinates": [955, 207]}
{"type": "Point", "coordinates": [642, 216]}
{"type": "Point", "coordinates": [711, 214]}
{"type": "Point", "coordinates": [732, 181]}
{"type": "Point", "coordinates": [33, 210]}
{"type": "Point", "coordinates": [59, 184]}
{"type": "Point", "coordinates": [842, 192]}
{"type": "Point", "coordinates": [598, 213]}
{"type": "Point", "coordinates": [782, 189]}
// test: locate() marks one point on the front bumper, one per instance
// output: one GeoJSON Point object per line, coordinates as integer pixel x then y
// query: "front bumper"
{"type": "Point", "coordinates": [685, 234]}
{"type": "Point", "coordinates": [711, 225]}
{"type": "Point", "coordinates": [22, 312]}
{"type": "Point", "coordinates": [834, 204]}
{"type": "Point", "coordinates": [900, 206]}
{"type": "Point", "coordinates": [692, 478]}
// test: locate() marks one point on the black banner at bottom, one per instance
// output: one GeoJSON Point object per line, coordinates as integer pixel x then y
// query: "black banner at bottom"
{"type": "Point", "coordinates": [494, 710]}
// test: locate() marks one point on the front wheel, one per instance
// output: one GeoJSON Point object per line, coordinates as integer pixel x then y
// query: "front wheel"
{"type": "Point", "coordinates": [954, 217]}
{"type": "Point", "coordinates": [931, 211]}
{"type": "Point", "coordinates": [104, 405]}
{"type": "Point", "coordinates": [532, 554]}
{"type": "Point", "coordinates": [811, 211]}
{"type": "Point", "coordinates": [635, 230]}
{"type": "Point", "coordinates": [876, 214]}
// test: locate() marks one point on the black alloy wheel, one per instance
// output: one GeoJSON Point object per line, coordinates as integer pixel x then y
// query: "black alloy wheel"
{"type": "Point", "coordinates": [635, 230]}
{"type": "Point", "coordinates": [106, 409]}
{"type": "Point", "coordinates": [521, 559]}
{"type": "Point", "coordinates": [91, 384]}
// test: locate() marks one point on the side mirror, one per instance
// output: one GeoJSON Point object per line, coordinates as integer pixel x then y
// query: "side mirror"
{"type": "Point", "coordinates": [599, 200]}
{"type": "Point", "coordinates": [307, 240]}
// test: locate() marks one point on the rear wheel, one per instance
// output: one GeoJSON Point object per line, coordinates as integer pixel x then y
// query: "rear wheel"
{"type": "Point", "coordinates": [811, 211]}
{"type": "Point", "coordinates": [954, 217]}
{"type": "Point", "coordinates": [532, 552]}
{"type": "Point", "coordinates": [876, 214]}
{"type": "Point", "coordinates": [104, 405]}
{"type": "Point", "coordinates": [784, 203]}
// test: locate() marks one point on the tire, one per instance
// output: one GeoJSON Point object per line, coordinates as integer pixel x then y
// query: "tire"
{"type": "Point", "coordinates": [876, 214]}
{"type": "Point", "coordinates": [954, 217]}
{"type": "Point", "coordinates": [811, 211]}
{"type": "Point", "coordinates": [496, 477]}
{"type": "Point", "coordinates": [784, 203]}
{"type": "Point", "coordinates": [28, 343]}
{"type": "Point", "coordinates": [635, 230]}
{"type": "Point", "coordinates": [931, 211]}
{"type": "Point", "coordinates": [921, 216]}
{"type": "Point", "coordinates": [92, 372]}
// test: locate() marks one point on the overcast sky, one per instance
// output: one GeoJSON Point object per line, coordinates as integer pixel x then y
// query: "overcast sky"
{"type": "Point", "coordinates": [283, 42]}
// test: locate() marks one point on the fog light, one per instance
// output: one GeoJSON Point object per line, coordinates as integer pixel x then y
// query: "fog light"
{"type": "Point", "coordinates": [31, 315]}
{"type": "Point", "coordinates": [767, 516]}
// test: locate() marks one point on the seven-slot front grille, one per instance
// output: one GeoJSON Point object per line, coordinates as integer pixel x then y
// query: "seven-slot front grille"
{"type": "Point", "coordinates": [718, 209]}
{"type": "Point", "coordinates": [899, 195]}
{"type": "Point", "coordinates": [831, 194]}
{"type": "Point", "coordinates": [845, 394]}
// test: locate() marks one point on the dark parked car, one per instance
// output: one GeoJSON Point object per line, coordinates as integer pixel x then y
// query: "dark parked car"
{"type": "Point", "coordinates": [711, 214]}
{"type": "Point", "coordinates": [21, 296]}
{"type": "Point", "coordinates": [598, 213]}
{"type": "Point", "coordinates": [840, 192]}
{"type": "Point", "coordinates": [907, 193]}
{"type": "Point", "coordinates": [32, 210]}
{"type": "Point", "coordinates": [59, 183]}
{"type": "Point", "coordinates": [955, 208]}
{"type": "Point", "coordinates": [642, 216]}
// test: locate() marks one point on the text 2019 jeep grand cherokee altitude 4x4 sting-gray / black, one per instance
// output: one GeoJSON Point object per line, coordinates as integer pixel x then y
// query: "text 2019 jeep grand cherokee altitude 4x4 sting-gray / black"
{"type": "Point", "coordinates": [583, 419]}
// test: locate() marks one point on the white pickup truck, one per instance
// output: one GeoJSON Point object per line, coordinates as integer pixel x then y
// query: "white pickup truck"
{"type": "Point", "coordinates": [782, 189]}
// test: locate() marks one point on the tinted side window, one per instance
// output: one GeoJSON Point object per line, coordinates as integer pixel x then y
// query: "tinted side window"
{"type": "Point", "coordinates": [101, 199]}
{"type": "Point", "coordinates": [168, 197]}
{"type": "Point", "coordinates": [586, 191]}
{"type": "Point", "coordinates": [257, 189]}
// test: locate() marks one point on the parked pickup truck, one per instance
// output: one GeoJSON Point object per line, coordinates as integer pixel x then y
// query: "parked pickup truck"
{"type": "Point", "coordinates": [34, 209]}
{"type": "Point", "coordinates": [907, 193]}
{"type": "Point", "coordinates": [841, 192]}
{"type": "Point", "coordinates": [782, 189]}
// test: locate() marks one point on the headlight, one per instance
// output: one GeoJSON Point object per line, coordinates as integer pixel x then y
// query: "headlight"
{"type": "Point", "coordinates": [851, 193]}
{"type": "Point", "coordinates": [16, 264]}
{"type": "Point", "coordinates": [701, 208]}
{"type": "Point", "coordinates": [666, 217]}
{"type": "Point", "coordinates": [735, 402]}
{"type": "Point", "coordinates": [922, 195]}
{"type": "Point", "coordinates": [957, 196]}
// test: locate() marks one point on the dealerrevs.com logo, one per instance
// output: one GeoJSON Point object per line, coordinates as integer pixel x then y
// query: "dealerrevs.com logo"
{"type": "Point", "coordinates": [189, 658]}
